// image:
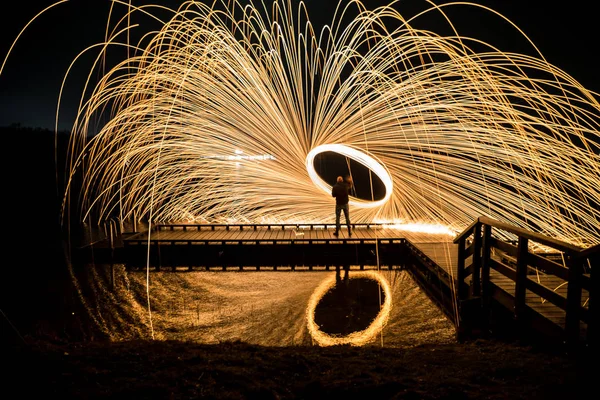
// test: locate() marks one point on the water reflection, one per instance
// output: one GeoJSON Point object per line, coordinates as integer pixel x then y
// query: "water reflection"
{"type": "Point", "coordinates": [349, 306]}
{"type": "Point", "coordinates": [264, 308]}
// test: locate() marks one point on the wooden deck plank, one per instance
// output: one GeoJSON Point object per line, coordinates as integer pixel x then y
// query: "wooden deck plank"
{"type": "Point", "coordinates": [318, 232]}
{"type": "Point", "coordinates": [232, 234]}
{"type": "Point", "coordinates": [268, 235]}
{"type": "Point", "coordinates": [444, 254]}
{"type": "Point", "coordinates": [288, 234]}
{"type": "Point", "coordinates": [366, 234]}
{"type": "Point", "coordinates": [246, 234]}
{"type": "Point", "coordinates": [298, 234]}
{"type": "Point", "coordinates": [180, 235]}
{"type": "Point", "coordinates": [218, 234]}
{"type": "Point", "coordinates": [533, 300]}
{"type": "Point", "coordinates": [278, 234]}
{"type": "Point", "coordinates": [261, 233]}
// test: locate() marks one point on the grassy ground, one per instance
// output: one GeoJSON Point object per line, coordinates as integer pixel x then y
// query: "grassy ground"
{"type": "Point", "coordinates": [177, 370]}
{"type": "Point", "coordinates": [55, 365]}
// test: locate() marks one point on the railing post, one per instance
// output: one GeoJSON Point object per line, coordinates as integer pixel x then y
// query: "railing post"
{"type": "Point", "coordinates": [460, 270]}
{"type": "Point", "coordinates": [520, 281]}
{"type": "Point", "coordinates": [476, 260]}
{"type": "Point", "coordinates": [158, 258]}
{"type": "Point", "coordinates": [485, 268]}
{"type": "Point", "coordinates": [469, 308]}
{"type": "Point", "coordinates": [572, 316]}
{"type": "Point", "coordinates": [593, 320]}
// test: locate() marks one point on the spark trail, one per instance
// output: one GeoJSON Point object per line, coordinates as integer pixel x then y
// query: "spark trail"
{"type": "Point", "coordinates": [211, 118]}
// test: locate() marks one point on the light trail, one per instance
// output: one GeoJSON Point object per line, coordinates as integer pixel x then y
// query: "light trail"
{"type": "Point", "coordinates": [360, 157]}
{"type": "Point", "coordinates": [463, 128]}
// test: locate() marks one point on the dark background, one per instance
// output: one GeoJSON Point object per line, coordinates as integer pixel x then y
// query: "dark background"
{"type": "Point", "coordinates": [565, 32]}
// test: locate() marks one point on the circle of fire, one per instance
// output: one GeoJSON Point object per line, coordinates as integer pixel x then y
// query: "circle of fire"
{"type": "Point", "coordinates": [358, 338]}
{"type": "Point", "coordinates": [358, 156]}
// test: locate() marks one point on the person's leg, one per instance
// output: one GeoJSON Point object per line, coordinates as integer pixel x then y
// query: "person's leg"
{"type": "Point", "coordinates": [338, 211]}
{"type": "Point", "coordinates": [347, 215]}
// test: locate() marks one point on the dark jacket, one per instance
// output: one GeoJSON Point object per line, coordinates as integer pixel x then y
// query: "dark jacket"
{"type": "Point", "coordinates": [340, 191]}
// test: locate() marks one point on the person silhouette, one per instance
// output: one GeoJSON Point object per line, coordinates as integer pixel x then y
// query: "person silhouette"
{"type": "Point", "coordinates": [338, 276]}
{"type": "Point", "coordinates": [341, 192]}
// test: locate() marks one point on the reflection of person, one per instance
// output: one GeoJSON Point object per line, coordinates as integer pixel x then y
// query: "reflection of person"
{"type": "Point", "coordinates": [338, 276]}
{"type": "Point", "coordinates": [340, 191]}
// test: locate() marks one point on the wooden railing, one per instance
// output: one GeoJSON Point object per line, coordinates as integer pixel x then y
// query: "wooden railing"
{"type": "Point", "coordinates": [199, 227]}
{"type": "Point", "coordinates": [479, 243]}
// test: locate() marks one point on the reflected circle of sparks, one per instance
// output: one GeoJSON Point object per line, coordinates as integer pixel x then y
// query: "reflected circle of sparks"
{"type": "Point", "coordinates": [358, 156]}
{"type": "Point", "coordinates": [358, 338]}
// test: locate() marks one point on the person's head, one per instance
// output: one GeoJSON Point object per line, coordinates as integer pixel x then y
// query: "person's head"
{"type": "Point", "coordinates": [340, 179]}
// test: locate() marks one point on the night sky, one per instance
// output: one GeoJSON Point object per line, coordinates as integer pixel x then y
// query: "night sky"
{"type": "Point", "coordinates": [30, 83]}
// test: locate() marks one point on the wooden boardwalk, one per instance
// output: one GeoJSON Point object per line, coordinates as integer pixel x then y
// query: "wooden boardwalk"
{"type": "Point", "coordinates": [432, 258]}
{"type": "Point", "coordinates": [283, 233]}
{"type": "Point", "coordinates": [444, 254]}
{"type": "Point", "coordinates": [285, 246]}
{"type": "Point", "coordinates": [437, 246]}
{"type": "Point", "coordinates": [559, 286]}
